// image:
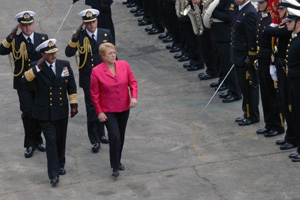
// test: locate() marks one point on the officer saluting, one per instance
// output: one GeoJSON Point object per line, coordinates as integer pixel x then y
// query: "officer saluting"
{"type": "Point", "coordinates": [87, 43]}
{"type": "Point", "coordinates": [22, 47]}
{"type": "Point", "coordinates": [243, 52]}
{"type": "Point", "coordinates": [53, 80]}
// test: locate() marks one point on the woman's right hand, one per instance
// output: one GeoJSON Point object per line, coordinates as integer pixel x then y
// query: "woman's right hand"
{"type": "Point", "coordinates": [102, 117]}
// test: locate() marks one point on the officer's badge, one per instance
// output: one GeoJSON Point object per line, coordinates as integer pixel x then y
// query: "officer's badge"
{"type": "Point", "coordinates": [231, 7]}
{"type": "Point", "coordinates": [65, 72]}
{"type": "Point", "coordinates": [89, 14]}
{"type": "Point", "coordinates": [26, 16]}
{"type": "Point", "coordinates": [50, 44]}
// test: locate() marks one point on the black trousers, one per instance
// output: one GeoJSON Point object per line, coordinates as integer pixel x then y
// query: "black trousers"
{"type": "Point", "coordinates": [94, 126]}
{"type": "Point", "coordinates": [269, 100]}
{"type": "Point", "coordinates": [210, 54]}
{"type": "Point", "coordinates": [31, 126]}
{"type": "Point", "coordinates": [294, 85]}
{"type": "Point", "coordinates": [116, 126]}
{"type": "Point", "coordinates": [55, 133]}
{"type": "Point", "coordinates": [231, 81]}
{"type": "Point", "coordinates": [283, 87]}
{"type": "Point", "coordinates": [252, 92]}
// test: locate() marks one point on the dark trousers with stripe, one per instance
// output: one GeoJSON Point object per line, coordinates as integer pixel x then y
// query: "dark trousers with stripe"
{"type": "Point", "coordinates": [55, 133]}
{"type": "Point", "coordinates": [31, 126]}
{"type": "Point", "coordinates": [116, 126]}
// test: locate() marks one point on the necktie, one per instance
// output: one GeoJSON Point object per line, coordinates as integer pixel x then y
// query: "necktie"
{"type": "Point", "coordinates": [51, 67]}
{"type": "Point", "coordinates": [93, 37]}
{"type": "Point", "coordinates": [29, 40]}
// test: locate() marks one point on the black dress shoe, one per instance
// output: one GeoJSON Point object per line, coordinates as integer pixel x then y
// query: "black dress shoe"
{"type": "Point", "coordinates": [138, 14]}
{"type": "Point", "coordinates": [95, 147]}
{"type": "Point", "coordinates": [224, 95]}
{"type": "Point", "coordinates": [178, 55]}
{"type": "Point", "coordinates": [115, 172]}
{"type": "Point", "coordinates": [230, 99]}
{"type": "Point", "coordinates": [214, 84]}
{"type": "Point", "coordinates": [147, 29]}
{"type": "Point", "coordinates": [186, 65]}
{"type": "Point", "coordinates": [140, 19]}
{"type": "Point", "coordinates": [206, 77]}
{"type": "Point", "coordinates": [193, 68]}
{"type": "Point", "coordinates": [175, 49]}
{"type": "Point", "coordinates": [121, 167]}
{"type": "Point", "coordinates": [183, 59]}
{"type": "Point", "coordinates": [272, 133]}
{"type": "Point", "coordinates": [296, 158]}
{"type": "Point", "coordinates": [143, 23]}
{"type": "Point", "coordinates": [239, 119]}
{"type": "Point", "coordinates": [293, 155]}
{"type": "Point", "coordinates": [54, 181]}
{"type": "Point", "coordinates": [130, 5]}
{"type": "Point", "coordinates": [162, 36]}
{"type": "Point", "coordinates": [41, 147]}
{"type": "Point", "coordinates": [28, 152]}
{"type": "Point", "coordinates": [262, 131]}
{"type": "Point", "coordinates": [124, 2]}
{"type": "Point", "coordinates": [104, 139]}
{"type": "Point", "coordinates": [134, 10]}
{"type": "Point", "coordinates": [155, 31]}
{"type": "Point", "coordinates": [169, 46]}
{"type": "Point", "coordinates": [167, 40]}
{"type": "Point", "coordinates": [223, 87]}
{"type": "Point", "coordinates": [287, 146]}
{"type": "Point", "coordinates": [62, 171]}
{"type": "Point", "coordinates": [280, 142]}
{"type": "Point", "coordinates": [246, 122]}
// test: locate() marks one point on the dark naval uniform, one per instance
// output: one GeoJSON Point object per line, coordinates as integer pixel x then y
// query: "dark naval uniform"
{"type": "Point", "coordinates": [89, 57]}
{"type": "Point", "coordinates": [242, 47]}
{"type": "Point", "coordinates": [105, 16]}
{"type": "Point", "coordinates": [293, 74]}
{"type": "Point", "coordinates": [270, 103]}
{"type": "Point", "coordinates": [51, 107]}
{"type": "Point", "coordinates": [23, 54]}
{"type": "Point", "coordinates": [283, 35]}
{"type": "Point", "coordinates": [220, 33]}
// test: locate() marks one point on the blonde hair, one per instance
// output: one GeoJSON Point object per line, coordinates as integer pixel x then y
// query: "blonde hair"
{"type": "Point", "coordinates": [103, 47]}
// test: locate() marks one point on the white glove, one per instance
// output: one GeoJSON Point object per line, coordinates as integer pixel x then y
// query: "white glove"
{"type": "Point", "coordinates": [273, 25]}
{"type": "Point", "coordinates": [273, 72]}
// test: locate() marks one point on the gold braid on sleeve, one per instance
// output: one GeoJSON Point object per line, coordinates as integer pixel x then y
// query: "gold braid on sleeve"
{"type": "Point", "coordinates": [73, 99]}
{"type": "Point", "coordinates": [85, 49]}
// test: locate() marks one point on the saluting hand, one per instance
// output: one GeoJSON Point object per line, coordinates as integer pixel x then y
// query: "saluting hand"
{"type": "Point", "coordinates": [13, 33]}
{"type": "Point", "coordinates": [133, 102]}
{"type": "Point", "coordinates": [76, 35]}
{"type": "Point", "coordinates": [42, 61]}
{"type": "Point", "coordinates": [102, 117]}
{"type": "Point", "coordinates": [74, 112]}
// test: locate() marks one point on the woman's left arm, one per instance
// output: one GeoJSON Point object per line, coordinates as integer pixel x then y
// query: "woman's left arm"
{"type": "Point", "coordinates": [133, 87]}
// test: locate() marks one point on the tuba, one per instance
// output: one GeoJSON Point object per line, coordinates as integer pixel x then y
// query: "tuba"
{"type": "Point", "coordinates": [208, 8]}
{"type": "Point", "coordinates": [196, 18]}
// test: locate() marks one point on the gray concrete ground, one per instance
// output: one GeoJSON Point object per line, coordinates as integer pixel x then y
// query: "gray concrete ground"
{"type": "Point", "coordinates": [174, 149]}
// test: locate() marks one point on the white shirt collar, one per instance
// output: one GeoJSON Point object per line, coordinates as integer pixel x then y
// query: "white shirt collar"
{"type": "Point", "coordinates": [53, 66]}
{"type": "Point", "coordinates": [243, 5]}
{"type": "Point", "coordinates": [31, 37]}
{"type": "Point", "coordinates": [90, 34]}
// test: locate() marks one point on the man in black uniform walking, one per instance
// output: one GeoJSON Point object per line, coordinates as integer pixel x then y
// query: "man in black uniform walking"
{"type": "Point", "coordinates": [87, 43]}
{"type": "Point", "coordinates": [54, 84]}
{"type": "Point", "coordinates": [243, 52]}
{"type": "Point", "coordinates": [270, 104]}
{"type": "Point", "coordinates": [22, 47]}
{"type": "Point", "coordinates": [293, 73]}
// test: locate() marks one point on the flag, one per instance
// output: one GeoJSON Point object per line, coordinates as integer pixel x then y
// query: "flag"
{"type": "Point", "coordinates": [273, 11]}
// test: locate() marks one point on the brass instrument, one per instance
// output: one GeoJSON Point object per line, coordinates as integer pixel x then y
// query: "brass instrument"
{"type": "Point", "coordinates": [208, 8]}
{"type": "Point", "coordinates": [196, 18]}
{"type": "Point", "coordinates": [179, 7]}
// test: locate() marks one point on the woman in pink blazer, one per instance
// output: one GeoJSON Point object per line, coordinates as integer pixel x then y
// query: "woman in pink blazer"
{"type": "Point", "coordinates": [110, 95]}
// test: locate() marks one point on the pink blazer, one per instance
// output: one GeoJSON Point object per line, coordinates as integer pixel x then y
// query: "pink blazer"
{"type": "Point", "coordinates": [109, 93]}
